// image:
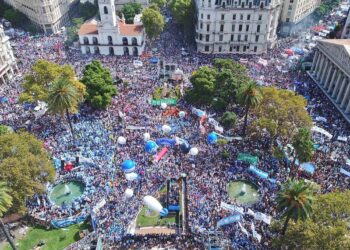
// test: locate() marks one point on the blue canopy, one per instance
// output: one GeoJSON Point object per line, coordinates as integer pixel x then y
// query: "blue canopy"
{"type": "Point", "coordinates": [153, 60]}
{"type": "Point", "coordinates": [212, 138]}
{"type": "Point", "coordinates": [128, 166]}
{"type": "Point", "coordinates": [151, 147]}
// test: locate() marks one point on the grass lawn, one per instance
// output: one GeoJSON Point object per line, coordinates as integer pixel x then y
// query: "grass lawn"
{"type": "Point", "coordinates": [145, 220]}
{"type": "Point", "coordinates": [55, 239]}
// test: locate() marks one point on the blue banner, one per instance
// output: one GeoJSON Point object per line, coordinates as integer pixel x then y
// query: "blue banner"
{"type": "Point", "coordinates": [258, 172]}
{"type": "Point", "coordinates": [68, 221]}
{"type": "Point", "coordinates": [229, 220]}
{"type": "Point", "coordinates": [166, 142]}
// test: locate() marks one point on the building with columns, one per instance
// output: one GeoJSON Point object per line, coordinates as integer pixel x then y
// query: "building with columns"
{"type": "Point", "coordinates": [111, 35]}
{"type": "Point", "coordinates": [236, 26]}
{"type": "Point", "coordinates": [331, 72]}
{"type": "Point", "coordinates": [346, 30]}
{"type": "Point", "coordinates": [7, 59]}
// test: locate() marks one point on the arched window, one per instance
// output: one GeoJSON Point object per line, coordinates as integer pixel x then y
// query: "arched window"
{"type": "Point", "coordinates": [135, 51]}
{"type": "Point", "coordinates": [134, 41]}
{"type": "Point", "coordinates": [110, 40]}
{"type": "Point", "coordinates": [126, 51]}
{"type": "Point", "coordinates": [125, 41]}
{"type": "Point", "coordinates": [86, 40]}
{"type": "Point", "coordinates": [95, 40]}
{"type": "Point", "coordinates": [105, 10]}
{"type": "Point", "coordinates": [88, 50]}
{"type": "Point", "coordinates": [96, 50]}
{"type": "Point", "coordinates": [111, 51]}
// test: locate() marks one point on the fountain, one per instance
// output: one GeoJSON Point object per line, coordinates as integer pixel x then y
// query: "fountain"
{"type": "Point", "coordinates": [243, 192]}
{"type": "Point", "coordinates": [66, 192]}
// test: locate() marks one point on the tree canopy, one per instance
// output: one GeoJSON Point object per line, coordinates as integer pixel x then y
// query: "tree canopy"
{"type": "Point", "coordinates": [327, 228]}
{"type": "Point", "coordinates": [159, 3]}
{"type": "Point", "coordinates": [99, 85]}
{"type": "Point", "coordinates": [228, 120]}
{"type": "Point", "coordinates": [72, 31]}
{"type": "Point", "coordinates": [37, 84]}
{"type": "Point", "coordinates": [153, 21]}
{"type": "Point", "coordinates": [281, 113]}
{"type": "Point", "coordinates": [183, 11]}
{"type": "Point", "coordinates": [25, 167]}
{"type": "Point", "coordinates": [303, 145]}
{"type": "Point", "coordinates": [129, 11]}
{"type": "Point", "coordinates": [87, 10]}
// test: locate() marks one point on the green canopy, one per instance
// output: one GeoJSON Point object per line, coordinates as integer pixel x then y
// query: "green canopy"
{"type": "Point", "coordinates": [248, 158]}
{"type": "Point", "coordinates": [169, 101]}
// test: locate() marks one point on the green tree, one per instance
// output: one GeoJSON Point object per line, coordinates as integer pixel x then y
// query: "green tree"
{"type": "Point", "coordinates": [249, 96]}
{"type": "Point", "coordinates": [129, 11]}
{"type": "Point", "coordinates": [72, 31]}
{"type": "Point", "coordinates": [87, 10]}
{"type": "Point", "coordinates": [99, 84]}
{"type": "Point", "coordinates": [154, 23]}
{"type": "Point", "coordinates": [159, 3]}
{"type": "Point", "coordinates": [303, 145]}
{"type": "Point", "coordinates": [182, 11]}
{"type": "Point", "coordinates": [295, 201]}
{"type": "Point", "coordinates": [64, 98]}
{"type": "Point", "coordinates": [228, 120]}
{"type": "Point", "coordinates": [25, 167]}
{"type": "Point", "coordinates": [327, 227]}
{"type": "Point", "coordinates": [281, 113]}
{"type": "Point", "coordinates": [203, 82]}
{"type": "Point", "coordinates": [5, 204]}
{"type": "Point", "coordinates": [15, 17]}
{"type": "Point", "coordinates": [36, 85]}
{"type": "Point", "coordinates": [4, 129]}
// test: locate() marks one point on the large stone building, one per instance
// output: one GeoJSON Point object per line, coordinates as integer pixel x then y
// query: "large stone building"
{"type": "Point", "coordinates": [111, 35]}
{"type": "Point", "coordinates": [331, 71]}
{"type": "Point", "coordinates": [294, 15]}
{"type": "Point", "coordinates": [48, 15]}
{"type": "Point", "coordinates": [119, 3]}
{"type": "Point", "coordinates": [236, 26]}
{"type": "Point", "coordinates": [346, 30]}
{"type": "Point", "coordinates": [7, 59]}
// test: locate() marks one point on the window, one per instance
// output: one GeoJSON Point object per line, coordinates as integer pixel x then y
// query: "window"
{"type": "Point", "coordinates": [260, 17]}
{"type": "Point", "coordinates": [242, 5]}
{"type": "Point", "coordinates": [221, 37]}
{"type": "Point", "coordinates": [208, 17]}
{"type": "Point", "coordinates": [110, 41]}
{"type": "Point", "coordinates": [233, 27]}
{"type": "Point", "coordinates": [237, 48]}
{"type": "Point", "coordinates": [134, 41]}
{"type": "Point", "coordinates": [239, 38]}
{"type": "Point", "coordinates": [230, 48]}
{"type": "Point", "coordinates": [208, 27]}
{"type": "Point", "coordinates": [287, 20]}
{"type": "Point", "coordinates": [247, 27]}
{"type": "Point", "coordinates": [248, 17]}
{"type": "Point", "coordinates": [221, 28]}
{"type": "Point", "coordinates": [244, 48]}
{"type": "Point", "coordinates": [241, 16]}
{"type": "Point", "coordinates": [261, 5]}
{"type": "Point", "coordinates": [200, 37]}
{"type": "Point", "coordinates": [125, 41]}
{"type": "Point", "coordinates": [246, 38]}
{"type": "Point", "coordinates": [250, 5]}
{"type": "Point", "coordinates": [232, 37]}
{"type": "Point", "coordinates": [258, 28]}
{"type": "Point", "coordinates": [201, 15]}
{"type": "Point", "coordinates": [207, 38]}
{"type": "Point", "coordinates": [86, 40]}
{"type": "Point", "coordinates": [240, 27]}
{"type": "Point", "coordinates": [206, 48]}
{"type": "Point", "coordinates": [105, 10]}
{"type": "Point", "coordinates": [255, 48]}
{"type": "Point", "coordinates": [256, 39]}
{"type": "Point", "coordinates": [201, 25]}
{"type": "Point", "coordinates": [94, 40]}
{"type": "Point", "coordinates": [222, 17]}
{"type": "Point", "coordinates": [234, 17]}
{"type": "Point", "coordinates": [220, 48]}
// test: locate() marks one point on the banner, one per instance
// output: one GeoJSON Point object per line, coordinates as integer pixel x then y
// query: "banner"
{"type": "Point", "coordinates": [99, 205]}
{"type": "Point", "coordinates": [229, 220]}
{"type": "Point", "coordinates": [258, 172]}
{"type": "Point", "coordinates": [168, 101]}
{"type": "Point", "coordinates": [255, 234]}
{"type": "Point", "coordinates": [343, 171]}
{"type": "Point", "coordinates": [232, 208]}
{"type": "Point", "coordinates": [248, 158]}
{"type": "Point", "coordinates": [166, 142]}
{"type": "Point", "coordinates": [243, 229]}
{"type": "Point", "coordinates": [198, 112]}
{"type": "Point", "coordinates": [131, 127]}
{"type": "Point", "coordinates": [160, 155]}
{"type": "Point", "coordinates": [68, 221]}
{"type": "Point", "coordinates": [263, 217]}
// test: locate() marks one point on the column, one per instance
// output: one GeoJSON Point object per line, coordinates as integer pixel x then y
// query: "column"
{"type": "Point", "coordinates": [346, 95]}
{"type": "Point", "coordinates": [329, 75]}
{"type": "Point", "coordinates": [337, 85]}
{"type": "Point", "coordinates": [2, 80]}
{"type": "Point", "coordinates": [325, 72]}
{"type": "Point", "coordinates": [321, 67]}
{"type": "Point", "coordinates": [314, 61]}
{"type": "Point", "coordinates": [347, 110]}
{"type": "Point", "coordinates": [331, 84]}
{"type": "Point", "coordinates": [341, 90]}
{"type": "Point", "coordinates": [317, 65]}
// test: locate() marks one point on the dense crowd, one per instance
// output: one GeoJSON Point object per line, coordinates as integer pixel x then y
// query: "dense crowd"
{"type": "Point", "coordinates": [208, 173]}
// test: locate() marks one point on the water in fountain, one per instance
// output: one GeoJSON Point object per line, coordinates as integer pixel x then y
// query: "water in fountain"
{"type": "Point", "coordinates": [243, 189]}
{"type": "Point", "coordinates": [66, 189]}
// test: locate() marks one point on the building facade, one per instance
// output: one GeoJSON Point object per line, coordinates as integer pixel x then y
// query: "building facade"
{"type": "Point", "coordinates": [7, 59]}
{"type": "Point", "coordinates": [236, 26]}
{"type": "Point", "coordinates": [48, 15]}
{"type": "Point", "coordinates": [331, 71]}
{"type": "Point", "coordinates": [119, 3]}
{"type": "Point", "coordinates": [294, 15]}
{"type": "Point", "coordinates": [346, 30]}
{"type": "Point", "coordinates": [111, 35]}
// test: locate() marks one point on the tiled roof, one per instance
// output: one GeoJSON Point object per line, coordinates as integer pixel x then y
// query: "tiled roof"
{"type": "Point", "coordinates": [88, 28]}
{"type": "Point", "coordinates": [129, 29]}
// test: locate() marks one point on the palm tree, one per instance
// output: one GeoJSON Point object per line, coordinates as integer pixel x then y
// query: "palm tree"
{"type": "Point", "coordinates": [5, 204]}
{"type": "Point", "coordinates": [249, 96]}
{"type": "Point", "coordinates": [64, 98]}
{"type": "Point", "coordinates": [295, 201]}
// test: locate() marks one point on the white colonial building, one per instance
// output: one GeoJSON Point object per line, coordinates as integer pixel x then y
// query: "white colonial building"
{"type": "Point", "coordinates": [331, 71]}
{"type": "Point", "coordinates": [111, 35]}
{"type": "Point", "coordinates": [236, 26]}
{"type": "Point", "coordinates": [7, 59]}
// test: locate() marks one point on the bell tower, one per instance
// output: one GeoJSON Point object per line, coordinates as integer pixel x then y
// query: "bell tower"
{"type": "Point", "coordinates": [107, 12]}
